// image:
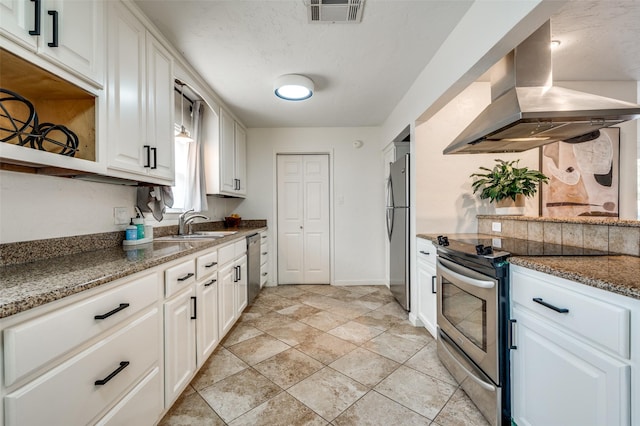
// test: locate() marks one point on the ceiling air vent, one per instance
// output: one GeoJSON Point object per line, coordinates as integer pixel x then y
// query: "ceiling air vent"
{"type": "Point", "coordinates": [347, 11]}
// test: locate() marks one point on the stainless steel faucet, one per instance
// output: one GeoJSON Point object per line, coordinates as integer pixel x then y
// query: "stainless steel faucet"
{"type": "Point", "coordinates": [185, 220]}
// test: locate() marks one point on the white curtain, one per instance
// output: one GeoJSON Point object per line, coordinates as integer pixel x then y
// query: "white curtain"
{"type": "Point", "coordinates": [196, 194]}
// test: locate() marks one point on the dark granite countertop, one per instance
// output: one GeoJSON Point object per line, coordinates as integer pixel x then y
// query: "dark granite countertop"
{"type": "Point", "coordinates": [28, 285]}
{"type": "Point", "coordinates": [618, 274]}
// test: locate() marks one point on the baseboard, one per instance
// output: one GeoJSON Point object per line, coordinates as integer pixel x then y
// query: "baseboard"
{"type": "Point", "coordinates": [359, 282]}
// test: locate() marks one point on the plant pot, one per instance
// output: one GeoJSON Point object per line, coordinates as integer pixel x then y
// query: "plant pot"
{"type": "Point", "coordinates": [508, 207]}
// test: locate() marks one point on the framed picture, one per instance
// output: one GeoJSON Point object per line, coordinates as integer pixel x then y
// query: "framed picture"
{"type": "Point", "coordinates": [583, 177]}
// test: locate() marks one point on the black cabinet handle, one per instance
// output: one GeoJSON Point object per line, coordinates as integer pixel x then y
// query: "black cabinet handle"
{"type": "Point", "coordinates": [54, 14]}
{"type": "Point", "coordinates": [36, 14]}
{"type": "Point", "coordinates": [512, 324]}
{"type": "Point", "coordinates": [104, 381]}
{"type": "Point", "coordinates": [425, 252]}
{"type": "Point", "coordinates": [210, 283]}
{"type": "Point", "coordinates": [155, 158]}
{"type": "Point", "coordinates": [433, 284]}
{"type": "Point", "coordinates": [550, 306]}
{"type": "Point", "coordinates": [264, 274]}
{"type": "Point", "coordinates": [194, 307]}
{"type": "Point", "coordinates": [209, 265]}
{"type": "Point", "coordinates": [115, 311]}
{"type": "Point", "coordinates": [264, 236]}
{"type": "Point", "coordinates": [186, 277]}
{"type": "Point", "coordinates": [147, 148]}
{"type": "Point", "coordinates": [239, 273]}
{"type": "Point", "coordinates": [264, 253]}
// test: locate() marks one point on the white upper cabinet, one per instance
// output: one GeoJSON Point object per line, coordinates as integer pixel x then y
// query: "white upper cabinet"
{"type": "Point", "coordinates": [69, 33]}
{"type": "Point", "coordinates": [226, 159]}
{"type": "Point", "coordinates": [140, 99]}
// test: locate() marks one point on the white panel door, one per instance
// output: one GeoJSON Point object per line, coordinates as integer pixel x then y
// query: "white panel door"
{"type": "Point", "coordinates": [303, 219]}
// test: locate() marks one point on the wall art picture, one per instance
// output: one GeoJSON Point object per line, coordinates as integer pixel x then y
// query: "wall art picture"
{"type": "Point", "coordinates": [583, 177]}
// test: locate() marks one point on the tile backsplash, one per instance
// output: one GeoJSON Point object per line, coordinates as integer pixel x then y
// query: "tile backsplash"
{"type": "Point", "coordinates": [615, 235]}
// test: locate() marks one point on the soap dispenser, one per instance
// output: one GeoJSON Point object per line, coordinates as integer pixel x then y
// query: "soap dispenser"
{"type": "Point", "coordinates": [139, 223]}
{"type": "Point", "coordinates": [131, 232]}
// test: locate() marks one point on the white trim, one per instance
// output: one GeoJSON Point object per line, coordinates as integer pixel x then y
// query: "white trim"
{"type": "Point", "coordinates": [347, 283]}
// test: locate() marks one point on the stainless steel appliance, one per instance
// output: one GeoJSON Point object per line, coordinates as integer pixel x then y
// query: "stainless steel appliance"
{"type": "Point", "coordinates": [398, 210]}
{"type": "Point", "coordinates": [253, 266]}
{"type": "Point", "coordinates": [473, 314]}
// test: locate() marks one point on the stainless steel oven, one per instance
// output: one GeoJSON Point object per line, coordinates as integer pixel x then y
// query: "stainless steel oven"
{"type": "Point", "coordinates": [472, 319]}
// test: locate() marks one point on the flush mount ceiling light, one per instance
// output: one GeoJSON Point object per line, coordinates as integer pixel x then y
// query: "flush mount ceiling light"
{"type": "Point", "coordinates": [293, 87]}
{"type": "Point", "coordinates": [555, 44]}
{"type": "Point", "coordinates": [184, 135]}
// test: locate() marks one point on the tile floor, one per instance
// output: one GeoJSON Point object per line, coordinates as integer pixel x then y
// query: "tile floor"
{"type": "Point", "coordinates": [324, 355]}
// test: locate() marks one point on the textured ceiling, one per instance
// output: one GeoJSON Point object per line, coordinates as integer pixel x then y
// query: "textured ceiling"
{"type": "Point", "coordinates": [361, 71]}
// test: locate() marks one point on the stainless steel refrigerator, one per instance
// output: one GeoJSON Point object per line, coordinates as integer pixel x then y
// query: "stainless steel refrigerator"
{"type": "Point", "coordinates": [398, 210]}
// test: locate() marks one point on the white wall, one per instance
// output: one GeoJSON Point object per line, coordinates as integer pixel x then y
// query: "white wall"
{"type": "Point", "coordinates": [444, 199]}
{"type": "Point", "coordinates": [357, 192]}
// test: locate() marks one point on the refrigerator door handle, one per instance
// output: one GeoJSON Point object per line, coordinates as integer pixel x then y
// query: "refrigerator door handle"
{"type": "Point", "coordinates": [390, 202]}
{"type": "Point", "coordinates": [390, 214]}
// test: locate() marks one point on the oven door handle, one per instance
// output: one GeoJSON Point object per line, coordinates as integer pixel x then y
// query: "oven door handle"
{"type": "Point", "coordinates": [465, 279]}
{"type": "Point", "coordinates": [484, 385]}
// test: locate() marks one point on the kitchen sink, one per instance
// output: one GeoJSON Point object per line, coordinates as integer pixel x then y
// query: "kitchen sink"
{"type": "Point", "coordinates": [197, 236]}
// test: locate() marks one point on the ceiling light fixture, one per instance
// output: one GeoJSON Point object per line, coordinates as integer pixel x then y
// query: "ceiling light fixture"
{"type": "Point", "coordinates": [184, 135]}
{"type": "Point", "coordinates": [293, 87]}
{"type": "Point", "coordinates": [555, 44]}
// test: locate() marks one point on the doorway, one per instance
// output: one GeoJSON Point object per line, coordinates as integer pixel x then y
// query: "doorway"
{"type": "Point", "coordinates": [303, 219]}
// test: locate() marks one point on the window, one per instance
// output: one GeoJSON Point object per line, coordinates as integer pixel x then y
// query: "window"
{"type": "Point", "coordinates": [181, 153]}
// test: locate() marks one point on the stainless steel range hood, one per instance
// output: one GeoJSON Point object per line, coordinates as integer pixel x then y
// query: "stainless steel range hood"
{"type": "Point", "coordinates": [527, 111]}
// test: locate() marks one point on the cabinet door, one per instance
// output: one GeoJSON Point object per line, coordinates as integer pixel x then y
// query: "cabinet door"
{"type": "Point", "coordinates": [426, 295]}
{"type": "Point", "coordinates": [80, 43]}
{"type": "Point", "coordinates": [207, 318]}
{"type": "Point", "coordinates": [126, 91]}
{"type": "Point", "coordinates": [160, 133]}
{"type": "Point", "coordinates": [17, 18]}
{"type": "Point", "coordinates": [179, 343]}
{"type": "Point", "coordinates": [227, 295]}
{"type": "Point", "coordinates": [241, 286]}
{"type": "Point", "coordinates": [227, 153]}
{"type": "Point", "coordinates": [560, 381]}
{"type": "Point", "coordinates": [240, 159]}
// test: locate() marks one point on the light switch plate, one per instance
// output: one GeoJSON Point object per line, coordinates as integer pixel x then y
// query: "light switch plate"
{"type": "Point", "coordinates": [496, 226]}
{"type": "Point", "coordinates": [121, 216]}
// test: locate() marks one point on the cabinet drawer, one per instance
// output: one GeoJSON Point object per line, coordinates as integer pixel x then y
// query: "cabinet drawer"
{"type": "Point", "coordinates": [226, 254]}
{"type": "Point", "coordinates": [32, 344]}
{"type": "Point", "coordinates": [426, 251]}
{"type": "Point", "coordinates": [179, 276]}
{"type": "Point", "coordinates": [264, 255]}
{"type": "Point", "coordinates": [69, 395]}
{"type": "Point", "coordinates": [240, 247]}
{"type": "Point", "coordinates": [141, 406]}
{"type": "Point", "coordinates": [207, 264]}
{"type": "Point", "coordinates": [264, 273]}
{"type": "Point", "coordinates": [601, 322]}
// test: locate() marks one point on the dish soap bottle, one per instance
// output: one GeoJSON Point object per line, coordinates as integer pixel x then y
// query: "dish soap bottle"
{"type": "Point", "coordinates": [139, 223]}
{"type": "Point", "coordinates": [131, 232]}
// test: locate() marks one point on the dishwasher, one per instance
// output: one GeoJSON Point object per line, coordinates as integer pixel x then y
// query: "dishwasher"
{"type": "Point", "coordinates": [253, 267]}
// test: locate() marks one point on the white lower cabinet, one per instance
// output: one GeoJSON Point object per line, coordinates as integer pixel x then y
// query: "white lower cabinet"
{"type": "Point", "coordinates": [233, 284]}
{"type": "Point", "coordinates": [179, 343]}
{"type": "Point", "coordinates": [226, 305]}
{"type": "Point", "coordinates": [207, 329]}
{"type": "Point", "coordinates": [76, 391]}
{"type": "Point", "coordinates": [426, 289]}
{"type": "Point", "coordinates": [564, 372]}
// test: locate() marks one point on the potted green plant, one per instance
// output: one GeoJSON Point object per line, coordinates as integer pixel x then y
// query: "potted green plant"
{"type": "Point", "coordinates": [507, 184]}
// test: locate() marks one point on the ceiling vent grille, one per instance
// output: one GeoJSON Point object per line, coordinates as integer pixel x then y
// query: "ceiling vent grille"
{"type": "Point", "coordinates": [345, 11]}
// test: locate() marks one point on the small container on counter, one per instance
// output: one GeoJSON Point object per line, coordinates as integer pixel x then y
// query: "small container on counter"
{"type": "Point", "coordinates": [131, 232]}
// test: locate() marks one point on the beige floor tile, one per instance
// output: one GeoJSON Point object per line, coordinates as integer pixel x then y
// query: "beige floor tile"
{"type": "Point", "coordinates": [393, 347]}
{"type": "Point", "coordinates": [288, 368]}
{"type": "Point", "coordinates": [408, 331]}
{"type": "Point", "coordinates": [355, 333]}
{"type": "Point", "coordinates": [324, 320]}
{"type": "Point", "coordinates": [326, 348]}
{"type": "Point", "coordinates": [362, 289]}
{"type": "Point", "coordinates": [294, 333]}
{"type": "Point", "coordinates": [328, 392]}
{"type": "Point", "coordinates": [419, 392]}
{"type": "Point", "coordinates": [191, 410]}
{"type": "Point", "coordinates": [393, 308]}
{"type": "Point", "coordinates": [351, 311]}
{"type": "Point", "coordinates": [460, 411]}
{"type": "Point", "coordinates": [369, 304]}
{"type": "Point", "coordinates": [365, 366]}
{"type": "Point", "coordinates": [274, 302]}
{"type": "Point", "coordinates": [375, 409]}
{"type": "Point", "coordinates": [237, 394]}
{"type": "Point", "coordinates": [239, 333]}
{"type": "Point", "coordinates": [381, 320]}
{"type": "Point", "coordinates": [299, 311]}
{"type": "Point", "coordinates": [272, 319]}
{"type": "Point", "coordinates": [288, 291]}
{"type": "Point", "coordinates": [426, 361]}
{"type": "Point", "coordinates": [258, 348]}
{"type": "Point", "coordinates": [221, 364]}
{"type": "Point", "coordinates": [283, 410]}
{"type": "Point", "coordinates": [320, 301]}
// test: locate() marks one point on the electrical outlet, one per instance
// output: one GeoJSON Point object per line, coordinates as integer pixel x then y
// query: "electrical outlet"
{"type": "Point", "coordinates": [496, 226]}
{"type": "Point", "coordinates": [121, 216]}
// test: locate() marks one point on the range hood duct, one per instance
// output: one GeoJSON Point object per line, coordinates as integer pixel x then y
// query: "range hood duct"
{"type": "Point", "coordinates": [527, 111]}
